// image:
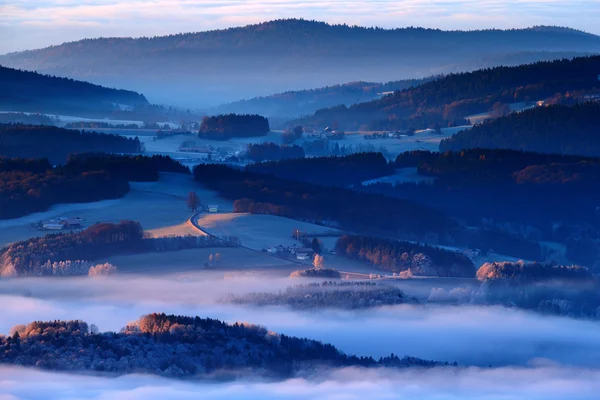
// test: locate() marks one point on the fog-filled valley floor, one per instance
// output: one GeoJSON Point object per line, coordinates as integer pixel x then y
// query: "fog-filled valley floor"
{"type": "Point", "coordinates": [501, 353]}
{"type": "Point", "coordinates": [470, 335]}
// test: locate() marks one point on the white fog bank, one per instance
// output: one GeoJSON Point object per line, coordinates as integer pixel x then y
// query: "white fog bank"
{"type": "Point", "coordinates": [539, 383]}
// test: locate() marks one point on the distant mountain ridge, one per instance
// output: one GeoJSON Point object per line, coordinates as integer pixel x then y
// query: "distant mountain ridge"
{"type": "Point", "coordinates": [208, 68]}
{"type": "Point", "coordinates": [32, 92]}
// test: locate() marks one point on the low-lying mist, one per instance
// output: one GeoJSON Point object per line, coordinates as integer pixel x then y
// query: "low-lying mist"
{"type": "Point", "coordinates": [469, 335]}
{"type": "Point", "coordinates": [537, 383]}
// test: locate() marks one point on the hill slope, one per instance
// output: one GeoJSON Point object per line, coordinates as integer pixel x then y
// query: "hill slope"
{"type": "Point", "coordinates": [555, 130]}
{"type": "Point", "coordinates": [32, 92]}
{"type": "Point", "coordinates": [447, 101]}
{"type": "Point", "coordinates": [295, 103]}
{"type": "Point", "coordinates": [225, 65]}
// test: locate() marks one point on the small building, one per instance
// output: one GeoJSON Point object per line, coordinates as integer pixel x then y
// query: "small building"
{"type": "Point", "coordinates": [71, 223]}
{"type": "Point", "coordinates": [304, 253]}
{"type": "Point", "coordinates": [213, 208]}
{"type": "Point", "coordinates": [52, 225]}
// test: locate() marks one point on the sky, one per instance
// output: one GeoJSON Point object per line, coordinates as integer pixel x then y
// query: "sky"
{"type": "Point", "coordinates": [30, 24]}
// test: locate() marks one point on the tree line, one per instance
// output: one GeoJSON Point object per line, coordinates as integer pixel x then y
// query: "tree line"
{"type": "Point", "coordinates": [227, 126]}
{"type": "Point", "coordinates": [136, 168]}
{"type": "Point", "coordinates": [270, 151]}
{"type": "Point", "coordinates": [54, 143]}
{"type": "Point", "coordinates": [532, 272]}
{"type": "Point", "coordinates": [554, 129]}
{"type": "Point", "coordinates": [342, 295]}
{"type": "Point", "coordinates": [331, 171]}
{"type": "Point", "coordinates": [396, 256]}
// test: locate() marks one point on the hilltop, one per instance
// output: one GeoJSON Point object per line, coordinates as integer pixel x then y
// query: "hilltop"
{"type": "Point", "coordinates": [207, 68]}
{"type": "Point", "coordinates": [449, 100]}
{"type": "Point", "coordinates": [32, 92]}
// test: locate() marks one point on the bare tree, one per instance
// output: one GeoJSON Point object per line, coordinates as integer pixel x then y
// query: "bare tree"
{"type": "Point", "coordinates": [318, 261]}
{"type": "Point", "coordinates": [193, 201]}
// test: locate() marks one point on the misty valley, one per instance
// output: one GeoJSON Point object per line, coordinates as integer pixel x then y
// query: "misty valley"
{"type": "Point", "coordinates": [296, 209]}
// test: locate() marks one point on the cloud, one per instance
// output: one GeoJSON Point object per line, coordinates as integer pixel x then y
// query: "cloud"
{"type": "Point", "coordinates": [547, 383]}
{"type": "Point", "coordinates": [479, 336]}
{"type": "Point", "coordinates": [36, 24]}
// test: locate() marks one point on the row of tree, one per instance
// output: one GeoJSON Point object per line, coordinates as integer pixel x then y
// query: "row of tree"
{"type": "Point", "coordinates": [395, 256]}
{"type": "Point", "coordinates": [270, 151]}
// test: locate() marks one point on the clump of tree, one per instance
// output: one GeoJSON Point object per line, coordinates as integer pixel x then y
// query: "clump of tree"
{"type": "Point", "coordinates": [289, 136]}
{"type": "Point", "coordinates": [271, 151]}
{"type": "Point", "coordinates": [227, 126]}
{"type": "Point", "coordinates": [399, 257]}
{"type": "Point", "coordinates": [554, 130]}
{"type": "Point", "coordinates": [54, 143]}
{"type": "Point", "coordinates": [329, 294]}
{"type": "Point", "coordinates": [335, 171]}
{"type": "Point", "coordinates": [176, 346]}
{"type": "Point", "coordinates": [132, 168]}
{"type": "Point", "coordinates": [105, 269]}
{"type": "Point", "coordinates": [316, 273]}
{"type": "Point", "coordinates": [531, 272]}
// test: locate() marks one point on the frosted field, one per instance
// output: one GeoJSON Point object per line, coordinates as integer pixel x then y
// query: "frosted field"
{"type": "Point", "coordinates": [257, 231]}
{"type": "Point", "coordinates": [155, 205]}
{"type": "Point", "coordinates": [233, 260]}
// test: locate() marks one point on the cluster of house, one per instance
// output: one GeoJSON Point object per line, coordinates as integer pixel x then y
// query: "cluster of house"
{"type": "Point", "coordinates": [387, 135]}
{"type": "Point", "coordinates": [327, 133]}
{"type": "Point", "coordinates": [62, 223]}
{"type": "Point", "coordinates": [300, 253]}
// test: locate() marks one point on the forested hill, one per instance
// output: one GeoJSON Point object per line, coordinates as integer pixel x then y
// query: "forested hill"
{"type": "Point", "coordinates": [446, 101]}
{"type": "Point", "coordinates": [32, 92]}
{"type": "Point", "coordinates": [226, 65]}
{"type": "Point", "coordinates": [296, 103]}
{"type": "Point", "coordinates": [555, 129]}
